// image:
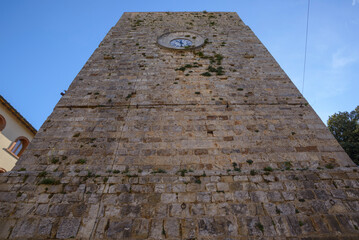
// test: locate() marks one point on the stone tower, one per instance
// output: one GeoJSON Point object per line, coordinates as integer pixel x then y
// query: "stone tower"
{"type": "Point", "coordinates": [181, 126]}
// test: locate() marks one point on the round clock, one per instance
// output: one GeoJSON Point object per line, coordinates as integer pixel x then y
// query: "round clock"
{"type": "Point", "coordinates": [180, 40]}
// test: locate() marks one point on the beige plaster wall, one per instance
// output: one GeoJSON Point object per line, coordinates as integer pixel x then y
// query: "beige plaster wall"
{"type": "Point", "coordinates": [13, 129]}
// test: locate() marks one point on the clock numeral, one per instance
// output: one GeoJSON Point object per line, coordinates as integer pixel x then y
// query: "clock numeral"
{"type": "Point", "coordinates": [179, 42]}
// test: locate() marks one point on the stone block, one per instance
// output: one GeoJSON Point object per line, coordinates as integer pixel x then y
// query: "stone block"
{"type": "Point", "coordinates": [222, 186]}
{"type": "Point", "coordinates": [171, 228]}
{"type": "Point", "coordinates": [241, 196]}
{"type": "Point", "coordinates": [258, 196]}
{"type": "Point", "coordinates": [254, 226]}
{"type": "Point", "coordinates": [6, 209]}
{"type": "Point", "coordinates": [168, 198]}
{"type": "Point", "coordinates": [119, 229]}
{"type": "Point", "coordinates": [293, 225]}
{"type": "Point", "coordinates": [187, 197]}
{"type": "Point", "coordinates": [286, 209]}
{"type": "Point", "coordinates": [45, 227]}
{"type": "Point", "coordinates": [68, 228]}
{"type": "Point", "coordinates": [204, 197]}
{"type": "Point", "coordinates": [218, 197]}
{"type": "Point", "coordinates": [240, 178]}
{"type": "Point", "coordinates": [200, 151]}
{"type": "Point", "coordinates": [179, 188]}
{"type": "Point", "coordinates": [274, 196]}
{"type": "Point", "coordinates": [288, 196]}
{"type": "Point", "coordinates": [338, 193]}
{"type": "Point", "coordinates": [140, 228]}
{"type": "Point", "coordinates": [157, 229]}
{"type": "Point", "coordinates": [42, 209]}
{"type": "Point", "coordinates": [211, 187]}
{"type": "Point", "coordinates": [188, 228]}
{"type": "Point", "coordinates": [227, 179]}
{"type": "Point", "coordinates": [220, 226]}
{"type": "Point", "coordinates": [6, 226]}
{"type": "Point", "coordinates": [194, 187]}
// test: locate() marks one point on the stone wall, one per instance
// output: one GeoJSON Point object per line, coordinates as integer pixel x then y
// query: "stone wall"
{"type": "Point", "coordinates": [144, 145]}
{"type": "Point", "coordinates": [214, 205]}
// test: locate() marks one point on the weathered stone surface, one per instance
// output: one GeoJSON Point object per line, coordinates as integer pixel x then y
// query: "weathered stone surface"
{"type": "Point", "coordinates": [140, 228]}
{"type": "Point", "coordinates": [26, 227]}
{"type": "Point", "coordinates": [119, 229]}
{"type": "Point", "coordinates": [68, 228]}
{"type": "Point", "coordinates": [6, 226]}
{"type": "Point", "coordinates": [157, 230]}
{"type": "Point", "coordinates": [45, 227]}
{"type": "Point", "coordinates": [218, 226]}
{"type": "Point", "coordinates": [171, 228]}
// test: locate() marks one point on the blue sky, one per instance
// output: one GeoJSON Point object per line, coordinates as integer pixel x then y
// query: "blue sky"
{"type": "Point", "coordinates": [44, 44]}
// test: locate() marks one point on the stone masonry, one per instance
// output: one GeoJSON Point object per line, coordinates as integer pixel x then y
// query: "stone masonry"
{"type": "Point", "coordinates": [207, 143]}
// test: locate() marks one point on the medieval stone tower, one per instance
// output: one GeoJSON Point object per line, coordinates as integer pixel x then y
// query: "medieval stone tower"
{"type": "Point", "coordinates": [181, 126]}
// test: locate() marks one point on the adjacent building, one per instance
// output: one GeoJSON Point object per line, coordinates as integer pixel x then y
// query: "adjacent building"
{"type": "Point", "coordinates": [15, 135]}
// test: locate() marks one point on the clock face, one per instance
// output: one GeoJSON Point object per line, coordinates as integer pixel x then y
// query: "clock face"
{"type": "Point", "coordinates": [180, 42]}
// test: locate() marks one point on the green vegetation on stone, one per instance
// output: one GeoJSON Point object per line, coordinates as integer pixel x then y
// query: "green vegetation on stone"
{"type": "Point", "coordinates": [260, 226]}
{"type": "Point", "coordinates": [76, 135]}
{"type": "Point", "coordinates": [42, 174]}
{"type": "Point", "coordinates": [49, 181]}
{"type": "Point", "coordinates": [206, 74]}
{"type": "Point", "coordinates": [268, 169]}
{"type": "Point", "coordinates": [198, 181]}
{"type": "Point", "coordinates": [159, 171]}
{"type": "Point", "coordinates": [54, 160]}
{"type": "Point", "coordinates": [329, 166]}
{"type": "Point", "coordinates": [182, 172]}
{"type": "Point", "coordinates": [287, 165]}
{"type": "Point", "coordinates": [250, 162]}
{"type": "Point", "coordinates": [81, 161]}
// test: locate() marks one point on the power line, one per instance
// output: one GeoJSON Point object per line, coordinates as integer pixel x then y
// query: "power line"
{"type": "Point", "coordinates": [305, 50]}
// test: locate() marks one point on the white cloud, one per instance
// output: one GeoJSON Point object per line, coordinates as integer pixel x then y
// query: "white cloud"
{"type": "Point", "coordinates": [340, 59]}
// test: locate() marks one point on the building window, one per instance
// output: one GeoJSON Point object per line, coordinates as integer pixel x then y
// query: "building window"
{"type": "Point", "coordinates": [19, 146]}
{"type": "Point", "coordinates": [2, 122]}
